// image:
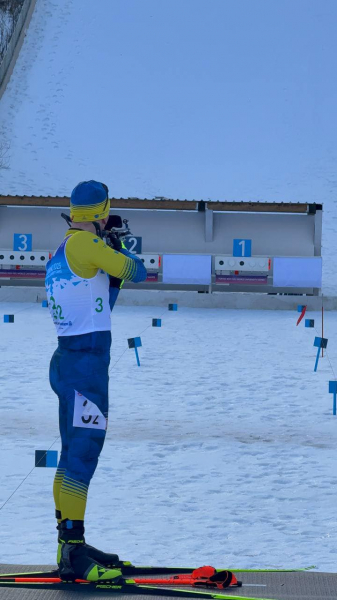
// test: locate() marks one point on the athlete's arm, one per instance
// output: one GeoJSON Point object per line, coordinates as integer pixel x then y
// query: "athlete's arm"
{"type": "Point", "coordinates": [86, 253]}
{"type": "Point", "coordinates": [115, 284]}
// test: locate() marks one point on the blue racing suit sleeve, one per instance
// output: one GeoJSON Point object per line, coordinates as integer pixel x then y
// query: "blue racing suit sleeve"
{"type": "Point", "coordinates": [116, 283]}
{"type": "Point", "coordinates": [136, 270]}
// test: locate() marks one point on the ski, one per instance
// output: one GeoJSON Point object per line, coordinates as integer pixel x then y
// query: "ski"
{"type": "Point", "coordinates": [126, 587]}
{"type": "Point", "coordinates": [128, 568]}
{"type": "Point", "coordinates": [205, 577]}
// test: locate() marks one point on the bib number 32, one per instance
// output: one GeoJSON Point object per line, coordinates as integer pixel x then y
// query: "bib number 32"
{"type": "Point", "coordinates": [57, 310]}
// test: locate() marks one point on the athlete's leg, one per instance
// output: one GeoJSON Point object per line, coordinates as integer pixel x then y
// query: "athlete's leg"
{"type": "Point", "coordinates": [56, 385]}
{"type": "Point", "coordinates": [87, 418]}
{"type": "Point", "coordinates": [87, 373]}
{"type": "Point", "coordinates": [63, 462]}
{"type": "Point", "coordinates": [82, 442]}
{"type": "Point", "coordinates": [85, 442]}
{"type": "Point", "coordinates": [86, 405]}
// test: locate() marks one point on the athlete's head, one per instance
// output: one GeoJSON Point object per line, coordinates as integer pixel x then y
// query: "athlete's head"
{"type": "Point", "coordinates": [90, 202]}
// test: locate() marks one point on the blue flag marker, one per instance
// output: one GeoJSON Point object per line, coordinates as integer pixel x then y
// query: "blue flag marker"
{"type": "Point", "coordinates": [44, 304]}
{"type": "Point", "coordinates": [8, 318]}
{"type": "Point", "coordinates": [156, 322]}
{"type": "Point", "coordinates": [319, 343]}
{"type": "Point", "coordinates": [135, 343]}
{"type": "Point", "coordinates": [310, 322]}
{"type": "Point", "coordinates": [333, 390]}
{"type": "Point", "coordinates": [173, 306]}
{"type": "Point", "coordinates": [300, 307]}
{"type": "Point", "coordinates": [46, 458]}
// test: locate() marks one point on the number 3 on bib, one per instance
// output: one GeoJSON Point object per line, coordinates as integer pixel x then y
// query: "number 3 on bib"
{"type": "Point", "coordinates": [100, 305]}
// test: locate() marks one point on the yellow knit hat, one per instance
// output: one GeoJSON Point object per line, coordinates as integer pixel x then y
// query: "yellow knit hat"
{"type": "Point", "coordinates": [89, 201]}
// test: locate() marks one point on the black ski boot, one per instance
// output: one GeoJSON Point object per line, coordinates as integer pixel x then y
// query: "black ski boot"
{"type": "Point", "coordinates": [104, 558]}
{"type": "Point", "coordinates": [74, 559]}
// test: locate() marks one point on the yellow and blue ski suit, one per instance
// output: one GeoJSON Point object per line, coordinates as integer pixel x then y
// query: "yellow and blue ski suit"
{"type": "Point", "coordinates": [82, 284]}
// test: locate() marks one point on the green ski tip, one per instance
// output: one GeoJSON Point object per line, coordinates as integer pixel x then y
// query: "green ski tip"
{"type": "Point", "coordinates": [269, 570]}
{"type": "Point", "coordinates": [191, 593]}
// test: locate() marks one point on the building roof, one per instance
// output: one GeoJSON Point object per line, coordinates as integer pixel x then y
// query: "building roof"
{"type": "Point", "coordinates": [169, 204]}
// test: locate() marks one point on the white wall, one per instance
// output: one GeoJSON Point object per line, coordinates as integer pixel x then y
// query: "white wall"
{"type": "Point", "coordinates": [175, 231]}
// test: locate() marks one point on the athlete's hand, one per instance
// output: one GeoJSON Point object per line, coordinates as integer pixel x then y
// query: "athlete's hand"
{"type": "Point", "coordinates": [114, 242]}
{"type": "Point", "coordinates": [115, 282]}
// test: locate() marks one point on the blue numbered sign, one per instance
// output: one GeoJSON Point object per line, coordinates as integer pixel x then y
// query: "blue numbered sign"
{"type": "Point", "coordinates": [22, 242]}
{"type": "Point", "coordinates": [242, 247]}
{"type": "Point", "coordinates": [133, 244]}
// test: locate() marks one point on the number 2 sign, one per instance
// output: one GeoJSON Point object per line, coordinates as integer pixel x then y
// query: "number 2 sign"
{"type": "Point", "coordinates": [242, 247]}
{"type": "Point", "coordinates": [22, 242]}
{"type": "Point", "coordinates": [133, 244]}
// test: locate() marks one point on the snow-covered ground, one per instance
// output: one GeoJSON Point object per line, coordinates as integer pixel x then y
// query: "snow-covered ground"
{"type": "Point", "coordinates": [204, 99]}
{"type": "Point", "coordinates": [221, 447]}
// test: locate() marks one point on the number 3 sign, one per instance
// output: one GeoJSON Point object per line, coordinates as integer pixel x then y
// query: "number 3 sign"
{"type": "Point", "coordinates": [22, 242]}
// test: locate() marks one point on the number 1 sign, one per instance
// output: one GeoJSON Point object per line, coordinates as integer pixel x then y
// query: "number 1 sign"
{"type": "Point", "coordinates": [242, 247]}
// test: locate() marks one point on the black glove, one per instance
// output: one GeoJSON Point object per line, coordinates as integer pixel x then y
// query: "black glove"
{"type": "Point", "coordinates": [114, 242]}
{"type": "Point", "coordinates": [115, 282]}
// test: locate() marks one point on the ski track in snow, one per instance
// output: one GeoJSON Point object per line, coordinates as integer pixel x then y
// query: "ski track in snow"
{"type": "Point", "coordinates": [221, 447]}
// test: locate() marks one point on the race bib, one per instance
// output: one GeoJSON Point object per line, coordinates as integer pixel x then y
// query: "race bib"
{"type": "Point", "coordinates": [87, 414]}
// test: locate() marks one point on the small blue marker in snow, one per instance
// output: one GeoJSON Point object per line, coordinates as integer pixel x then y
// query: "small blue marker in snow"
{"type": "Point", "coordinates": [8, 318]}
{"type": "Point", "coordinates": [333, 390]}
{"type": "Point", "coordinates": [173, 306]}
{"type": "Point", "coordinates": [156, 322]}
{"type": "Point", "coordinates": [310, 322]}
{"type": "Point", "coordinates": [135, 343]}
{"type": "Point", "coordinates": [46, 458]}
{"type": "Point", "coordinates": [44, 303]}
{"type": "Point", "coordinates": [300, 307]}
{"type": "Point", "coordinates": [319, 343]}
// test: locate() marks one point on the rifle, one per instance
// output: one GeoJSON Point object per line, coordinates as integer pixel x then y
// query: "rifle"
{"type": "Point", "coordinates": [116, 229]}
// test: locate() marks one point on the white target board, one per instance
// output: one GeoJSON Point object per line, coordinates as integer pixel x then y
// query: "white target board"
{"type": "Point", "coordinates": [298, 272]}
{"type": "Point", "coordinates": [187, 269]}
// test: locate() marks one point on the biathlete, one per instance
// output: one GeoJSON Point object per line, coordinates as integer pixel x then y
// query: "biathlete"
{"type": "Point", "coordinates": [82, 282]}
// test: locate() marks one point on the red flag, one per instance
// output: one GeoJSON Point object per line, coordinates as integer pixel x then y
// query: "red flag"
{"type": "Point", "coordinates": [301, 315]}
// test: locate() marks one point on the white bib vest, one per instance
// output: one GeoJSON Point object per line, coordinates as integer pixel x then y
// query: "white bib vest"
{"type": "Point", "coordinates": [77, 305]}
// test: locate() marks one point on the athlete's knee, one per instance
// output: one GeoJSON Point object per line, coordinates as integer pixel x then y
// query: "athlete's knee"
{"type": "Point", "coordinates": [63, 462]}
{"type": "Point", "coordinates": [84, 453]}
